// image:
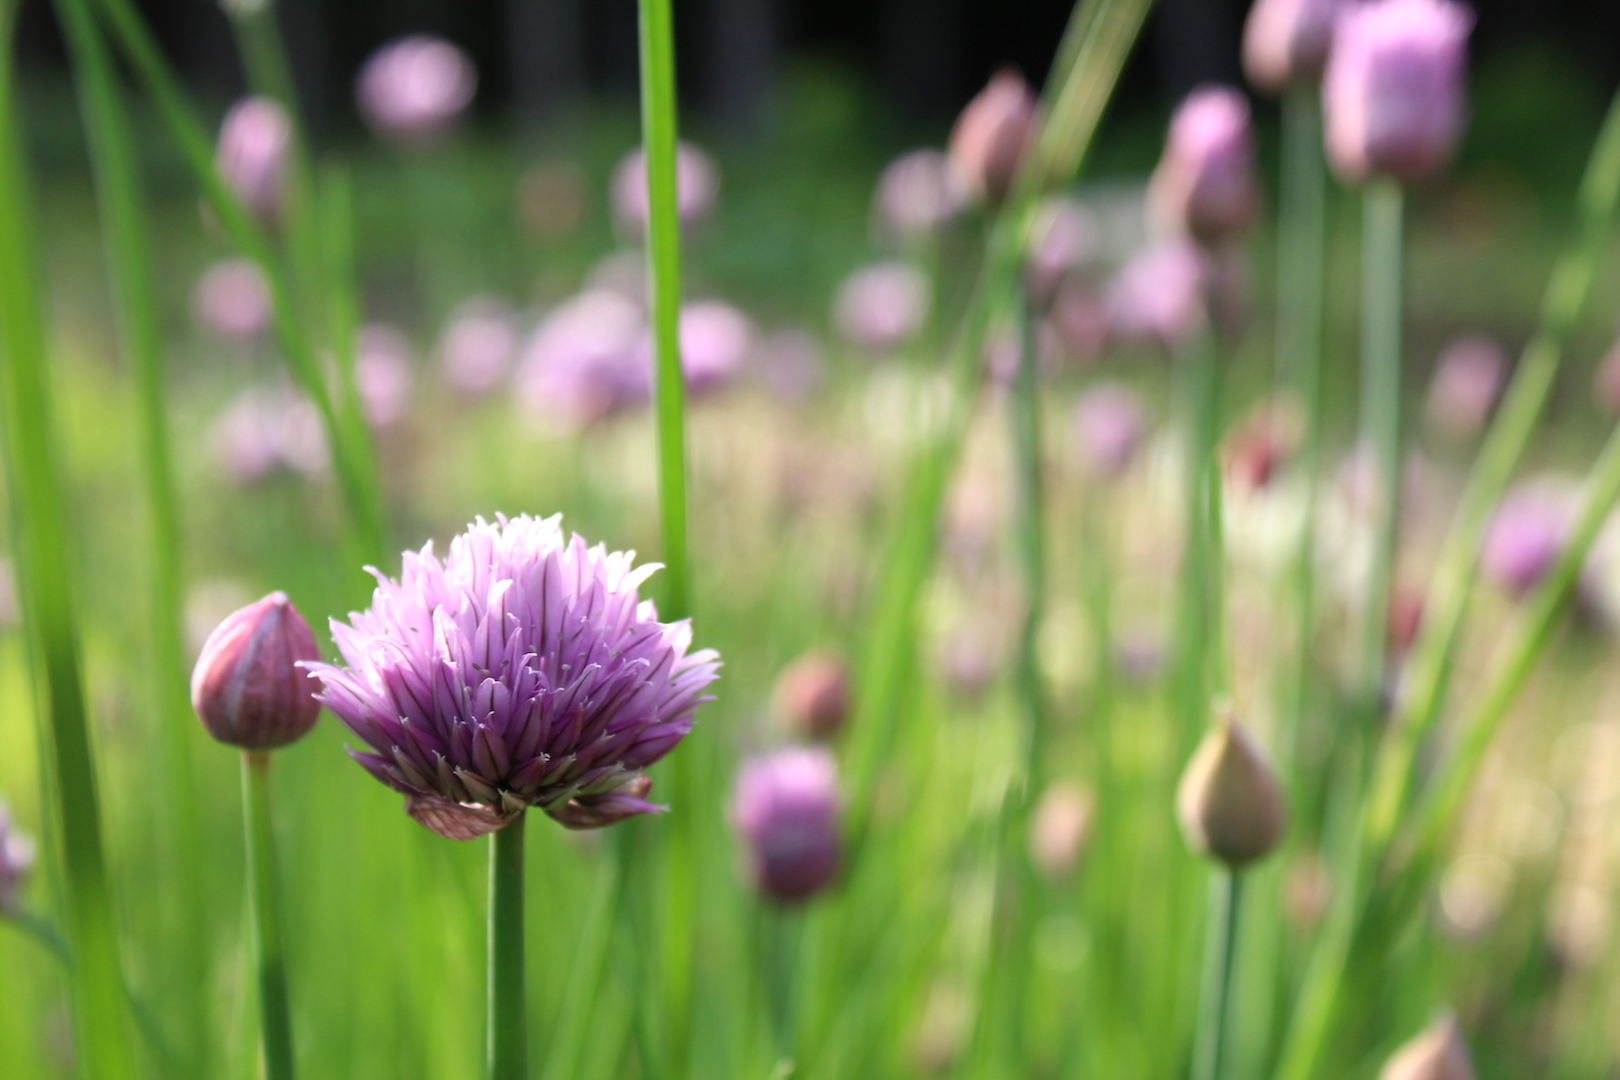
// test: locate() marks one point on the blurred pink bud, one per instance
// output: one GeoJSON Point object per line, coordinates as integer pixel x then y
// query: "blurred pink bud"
{"type": "Point", "coordinates": [791, 363]}
{"type": "Point", "coordinates": [1230, 804]}
{"type": "Point", "coordinates": [254, 139]}
{"type": "Point", "coordinates": [990, 137]}
{"type": "Point", "coordinates": [247, 688]}
{"type": "Point", "coordinates": [1204, 185]}
{"type": "Point", "coordinates": [551, 199]}
{"type": "Point", "coordinates": [415, 89]}
{"type": "Point", "coordinates": [1077, 325]}
{"type": "Point", "coordinates": [1261, 446]}
{"type": "Point", "coordinates": [1108, 428]}
{"type": "Point", "coordinates": [697, 186]}
{"type": "Point", "coordinates": [1158, 296]}
{"type": "Point", "coordinates": [881, 307]}
{"type": "Point", "coordinates": [232, 300]}
{"type": "Point", "coordinates": [478, 346]}
{"type": "Point", "coordinates": [384, 375]}
{"type": "Point", "coordinates": [1468, 379]}
{"type": "Point", "coordinates": [263, 431]}
{"type": "Point", "coordinates": [811, 698]}
{"type": "Point", "coordinates": [916, 196]}
{"type": "Point", "coordinates": [1286, 42]}
{"type": "Point", "coordinates": [1063, 240]}
{"type": "Point", "coordinates": [1438, 1053]}
{"type": "Point", "coordinates": [1393, 94]}
{"type": "Point", "coordinates": [1060, 828]}
{"type": "Point", "coordinates": [584, 361]}
{"type": "Point", "coordinates": [1526, 536]}
{"type": "Point", "coordinates": [785, 808]}
{"type": "Point", "coordinates": [716, 340]}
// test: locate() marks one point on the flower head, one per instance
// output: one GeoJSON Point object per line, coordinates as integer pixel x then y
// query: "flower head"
{"type": "Point", "coordinates": [478, 345]}
{"type": "Point", "coordinates": [1286, 41]}
{"type": "Point", "coordinates": [1108, 428]}
{"type": "Point", "coordinates": [879, 308]}
{"type": "Point", "coordinates": [248, 688]}
{"type": "Point", "coordinates": [916, 196]}
{"type": "Point", "coordinates": [1526, 535]}
{"type": "Point", "coordinates": [416, 88]}
{"type": "Point", "coordinates": [990, 137]}
{"type": "Point", "coordinates": [252, 154]}
{"type": "Point", "coordinates": [786, 809]}
{"type": "Point", "coordinates": [1205, 185]}
{"type": "Point", "coordinates": [522, 670]}
{"type": "Point", "coordinates": [1158, 296]}
{"type": "Point", "coordinates": [1468, 379]}
{"type": "Point", "coordinates": [16, 856]}
{"type": "Point", "coordinates": [1393, 93]}
{"type": "Point", "coordinates": [232, 300]}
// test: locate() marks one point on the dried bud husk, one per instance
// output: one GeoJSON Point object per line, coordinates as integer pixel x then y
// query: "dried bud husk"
{"type": "Point", "coordinates": [990, 137]}
{"type": "Point", "coordinates": [247, 686]}
{"type": "Point", "coordinates": [1230, 804]}
{"type": "Point", "coordinates": [1439, 1053]}
{"type": "Point", "coordinates": [811, 699]}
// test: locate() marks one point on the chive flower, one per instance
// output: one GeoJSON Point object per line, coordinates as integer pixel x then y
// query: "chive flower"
{"type": "Point", "coordinates": [415, 89]}
{"type": "Point", "coordinates": [1286, 42]}
{"type": "Point", "coordinates": [785, 808]}
{"type": "Point", "coordinates": [990, 137]}
{"type": "Point", "coordinates": [254, 139]}
{"type": "Point", "coordinates": [1205, 185]}
{"type": "Point", "coordinates": [522, 670]}
{"type": "Point", "coordinates": [247, 687]}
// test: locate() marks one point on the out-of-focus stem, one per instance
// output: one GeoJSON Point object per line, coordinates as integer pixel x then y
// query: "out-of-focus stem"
{"type": "Point", "coordinates": [1196, 632]}
{"type": "Point", "coordinates": [263, 885]}
{"type": "Point", "coordinates": [1382, 263]}
{"type": "Point", "coordinates": [508, 1020]}
{"type": "Point", "coordinates": [1225, 906]}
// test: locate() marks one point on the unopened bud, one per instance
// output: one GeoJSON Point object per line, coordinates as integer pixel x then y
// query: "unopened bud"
{"type": "Point", "coordinates": [1393, 92]}
{"type": "Point", "coordinates": [811, 699]}
{"type": "Point", "coordinates": [1286, 42]}
{"type": "Point", "coordinates": [1230, 804]}
{"type": "Point", "coordinates": [1204, 185]}
{"type": "Point", "coordinates": [254, 140]}
{"type": "Point", "coordinates": [785, 808]}
{"type": "Point", "coordinates": [1439, 1053]}
{"type": "Point", "coordinates": [16, 856]}
{"type": "Point", "coordinates": [1060, 828]}
{"type": "Point", "coordinates": [247, 686]}
{"type": "Point", "coordinates": [988, 142]}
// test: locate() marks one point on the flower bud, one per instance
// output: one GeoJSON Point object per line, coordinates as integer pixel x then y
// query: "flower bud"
{"type": "Point", "coordinates": [1108, 428]}
{"type": "Point", "coordinates": [247, 687]}
{"type": "Point", "coordinates": [811, 699]}
{"type": "Point", "coordinates": [1286, 42]}
{"type": "Point", "coordinates": [1230, 804]}
{"type": "Point", "coordinates": [1204, 185]}
{"type": "Point", "coordinates": [988, 142]}
{"type": "Point", "coordinates": [785, 808]}
{"type": "Point", "coordinates": [1060, 828]}
{"type": "Point", "coordinates": [915, 196]}
{"type": "Point", "coordinates": [1158, 296]}
{"type": "Point", "coordinates": [416, 88]}
{"type": "Point", "coordinates": [1526, 535]}
{"type": "Point", "coordinates": [16, 856]}
{"type": "Point", "coordinates": [1467, 381]}
{"type": "Point", "coordinates": [697, 188]}
{"type": "Point", "coordinates": [252, 154]}
{"type": "Point", "coordinates": [1393, 92]}
{"type": "Point", "coordinates": [1438, 1053]}
{"type": "Point", "coordinates": [879, 308]}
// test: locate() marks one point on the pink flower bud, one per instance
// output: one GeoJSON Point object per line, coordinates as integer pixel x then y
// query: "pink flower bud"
{"type": "Point", "coordinates": [1158, 296]}
{"type": "Point", "coordinates": [916, 196]}
{"type": "Point", "coordinates": [1393, 94]}
{"type": "Point", "coordinates": [247, 686]}
{"type": "Point", "coordinates": [1467, 381]}
{"type": "Point", "coordinates": [1108, 427]}
{"type": "Point", "coordinates": [252, 154]}
{"type": "Point", "coordinates": [416, 88]}
{"type": "Point", "coordinates": [1205, 184]}
{"type": "Point", "coordinates": [1526, 535]}
{"type": "Point", "coordinates": [881, 307]}
{"type": "Point", "coordinates": [1229, 802]}
{"type": "Point", "coordinates": [697, 186]}
{"type": "Point", "coordinates": [811, 699]}
{"type": "Point", "coordinates": [1063, 240]}
{"type": "Point", "coordinates": [478, 346]}
{"type": "Point", "coordinates": [232, 300]}
{"type": "Point", "coordinates": [1285, 42]}
{"type": "Point", "coordinates": [384, 374]}
{"type": "Point", "coordinates": [990, 137]}
{"type": "Point", "coordinates": [785, 808]}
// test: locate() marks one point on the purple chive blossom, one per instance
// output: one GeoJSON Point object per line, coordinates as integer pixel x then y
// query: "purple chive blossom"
{"type": "Point", "coordinates": [523, 670]}
{"type": "Point", "coordinates": [265, 431]}
{"type": "Point", "coordinates": [1204, 185]}
{"type": "Point", "coordinates": [583, 362]}
{"type": "Point", "coordinates": [384, 374]}
{"type": "Point", "coordinates": [252, 154]}
{"type": "Point", "coordinates": [1108, 428]}
{"type": "Point", "coordinates": [990, 136]}
{"type": "Point", "coordinates": [1158, 295]}
{"type": "Point", "coordinates": [916, 196]}
{"type": "Point", "coordinates": [477, 347]}
{"type": "Point", "coordinates": [1393, 93]}
{"type": "Point", "coordinates": [1286, 42]}
{"type": "Point", "coordinates": [785, 808]}
{"type": "Point", "coordinates": [1526, 536]}
{"type": "Point", "coordinates": [1468, 379]}
{"type": "Point", "coordinates": [416, 88]}
{"type": "Point", "coordinates": [232, 300]}
{"type": "Point", "coordinates": [16, 856]}
{"type": "Point", "coordinates": [697, 186]}
{"type": "Point", "coordinates": [879, 308]}
{"type": "Point", "coordinates": [247, 688]}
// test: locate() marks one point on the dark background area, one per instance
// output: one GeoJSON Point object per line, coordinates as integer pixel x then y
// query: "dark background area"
{"type": "Point", "coordinates": [921, 59]}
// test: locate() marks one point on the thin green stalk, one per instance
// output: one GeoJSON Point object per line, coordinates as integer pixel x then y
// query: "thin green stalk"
{"type": "Point", "coordinates": [508, 1033]}
{"type": "Point", "coordinates": [44, 552]}
{"type": "Point", "coordinates": [1196, 602]}
{"type": "Point", "coordinates": [1429, 668]}
{"type": "Point", "coordinates": [1301, 259]}
{"type": "Point", "coordinates": [1225, 907]}
{"type": "Point", "coordinates": [1382, 264]}
{"type": "Point", "coordinates": [275, 1016]}
{"type": "Point", "coordinates": [353, 458]}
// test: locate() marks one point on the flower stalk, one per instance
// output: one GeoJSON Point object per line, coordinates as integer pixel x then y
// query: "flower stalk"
{"type": "Point", "coordinates": [275, 1016]}
{"type": "Point", "coordinates": [1225, 907]}
{"type": "Point", "coordinates": [508, 1038]}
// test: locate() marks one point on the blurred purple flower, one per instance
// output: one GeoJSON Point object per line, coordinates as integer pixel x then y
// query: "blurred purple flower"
{"type": "Point", "coordinates": [384, 374]}
{"type": "Point", "coordinates": [247, 688]}
{"type": "Point", "coordinates": [263, 431]}
{"type": "Point", "coordinates": [785, 808]}
{"type": "Point", "coordinates": [1468, 379]}
{"type": "Point", "coordinates": [254, 139]}
{"type": "Point", "coordinates": [697, 186]}
{"type": "Point", "coordinates": [1393, 93]}
{"type": "Point", "coordinates": [716, 341]}
{"type": "Point", "coordinates": [584, 361]}
{"type": "Point", "coordinates": [232, 300]}
{"type": "Point", "coordinates": [1525, 536]}
{"type": "Point", "coordinates": [1108, 428]}
{"type": "Point", "coordinates": [16, 857]}
{"type": "Point", "coordinates": [879, 308]}
{"type": "Point", "coordinates": [478, 345]}
{"type": "Point", "coordinates": [791, 363]}
{"type": "Point", "coordinates": [523, 670]}
{"type": "Point", "coordinates": [1204, 185]}
{"type": "Point", "coordinates": [916, 196]}
{"type": "Point", "coordinates": [988, 142]}
{"type": "Point", "coordinates": [1158, 296]}
{"type": "Point", "coordinates": [1062, 241]}
{"type": "Point", "coordinates": [1286, 42]}
{"type": "Point", "coordinates": [416, 88]}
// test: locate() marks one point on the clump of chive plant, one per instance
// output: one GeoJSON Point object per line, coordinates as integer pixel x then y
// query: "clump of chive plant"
{"type": "Point", "coordinates": [522, 670]}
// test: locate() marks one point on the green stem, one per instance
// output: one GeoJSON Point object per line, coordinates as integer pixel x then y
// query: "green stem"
{"type": "Point", "coordinates": [1026, 424]}
{"type": "Point", "coordinates": [44, 552]}
{"type": "Point", "coordinates": [1225, 906]}
{"type": "Point", "coordinates": [1382, 262]}
{"type": "Point", "coordinates": [508, 1041]}
{"type": "Point", "coordinates": [1196, 646]}
{"type": "Point", "coordinates": [263, 885]}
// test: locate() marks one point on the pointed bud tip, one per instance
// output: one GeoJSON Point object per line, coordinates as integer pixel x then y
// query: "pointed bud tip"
{"type": "Point", "coordinates": [1229, 801]}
